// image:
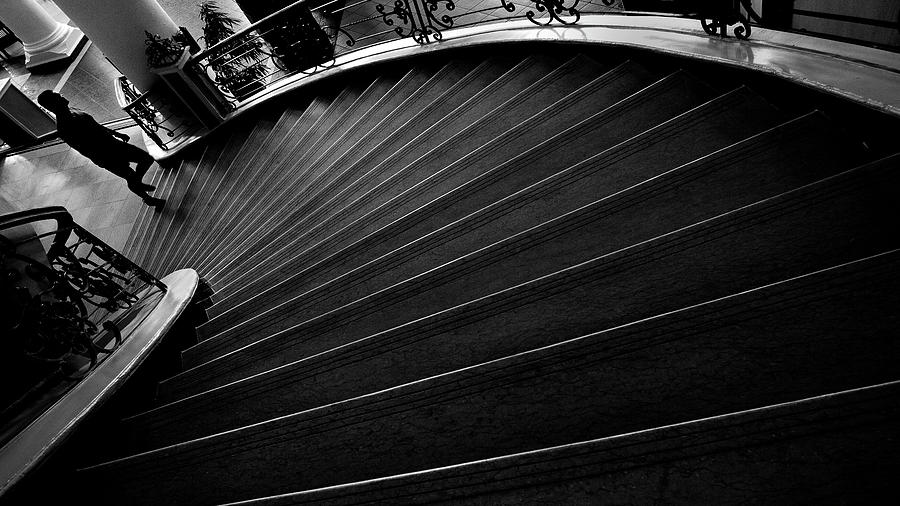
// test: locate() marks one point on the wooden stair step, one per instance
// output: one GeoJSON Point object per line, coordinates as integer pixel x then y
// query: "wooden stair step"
{"type": "Point", "coordinates": [419, 83]}
{"type": "Point", "coordinates": [205, 222]}
{"type": "Point", "coordinates": [193, 218]}
{"type": "Point", "coordinates": [501, 97]}
{"type": "Point", "coordinates": [246, 215]}
{"type": "Point", "coordinates": [600, 130]}
{"type": "Point", "coordinates": [167, 190]}
{"type": "Point", "coordinates": [831, 440]}
{"type": "Point", "coordinates": [562, 191]}
{"type": "Point", "coordinates": [250, 160]}
{"type": "Point", "coordinates": [278, 397]}
{"type": "Point", "coordinates": [181, 200]}
{"type": "Point", "coordinates": [845, 217]}
{"type": "Point", "coordinates": [790, 155]}
{"type": "Point", "coordinates": [710, 363]}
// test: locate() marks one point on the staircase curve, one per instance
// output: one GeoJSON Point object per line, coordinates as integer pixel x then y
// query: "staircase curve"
{"type": "Point", "coordinates": [527, 274]}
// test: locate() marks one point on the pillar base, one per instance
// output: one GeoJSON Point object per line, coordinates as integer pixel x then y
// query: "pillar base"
{"type": "Point", "coordinates": [66, 47]}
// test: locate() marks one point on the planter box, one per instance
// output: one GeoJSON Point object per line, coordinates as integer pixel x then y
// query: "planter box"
{"type": "Point", "coordinates": [297, 40]}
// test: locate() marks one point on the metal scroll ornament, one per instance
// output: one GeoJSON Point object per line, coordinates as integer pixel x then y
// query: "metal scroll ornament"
{"type": "Point", "coordinates": [141, 109]}
{"type": "Point", "coordinates": [46, 296]}
{"type": "Point", "coordinates": [420, 18]}
{"type": "Point", "coordinates": [718, 17]}
{"type": "Point", "coordinates": [552, 7]}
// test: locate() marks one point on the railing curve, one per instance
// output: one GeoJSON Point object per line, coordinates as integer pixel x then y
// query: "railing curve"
{"type": "Point", "coordinates": [154, 111]}
{"type": "Point", "coordinates": [307, 36]}
{"type": "Point", "coordinates": [65, 295]}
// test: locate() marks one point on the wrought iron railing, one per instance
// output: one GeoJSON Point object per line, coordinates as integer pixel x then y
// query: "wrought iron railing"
{"type": "Point", "coordinates": [156, 112]}
{"type": "Point", "coordinates": [65, 297]}
{"type": "Point", "coordinates": [300, 39]}
{"type": "Point", "coordinates": [293, 40]}
{"type": "Point", "coordinates": [307, 38]}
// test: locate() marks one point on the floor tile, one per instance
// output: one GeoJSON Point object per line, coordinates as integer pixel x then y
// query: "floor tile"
{"type": "Point", "coordinates": [130, 210]}
{"type": "Point", "coordinates": [116, 235]}
{"type": "Point", "coordinates": [102, 216]}
{"type": "Point", "coordinates": [56, 198]}
{"type": "Point", "coordinates": [51, 162]}
{"type": "Point", "coordinates": [14, 167]}
{"type": "Point", "coordinates": [80, 215]}
{"type": "Point", "coordinates": [110, 191]}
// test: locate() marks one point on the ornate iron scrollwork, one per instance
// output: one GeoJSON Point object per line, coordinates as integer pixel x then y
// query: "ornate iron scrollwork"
{"type": "Point", "coordinates": [718, 17]}
{"type": "Point", "coordinates": [553, 8]}
{"type": "Point", "coordinates": [46, 294]}
{"type": "Point", "coordinates": [142, 111]}
{"type": "Point", "coordinates": [420, 18]}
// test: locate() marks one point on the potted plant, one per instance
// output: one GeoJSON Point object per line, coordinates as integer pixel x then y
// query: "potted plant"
{"type": "Point", "coordinates": [297, 39]}
{"type": "Point", "coordinates": [162, 51]}
{"type": "Point", "coordinates": [240, 66]}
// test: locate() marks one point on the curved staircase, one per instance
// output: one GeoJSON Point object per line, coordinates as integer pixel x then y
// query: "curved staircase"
{"type": "Point", "coordinates": [548, 274]}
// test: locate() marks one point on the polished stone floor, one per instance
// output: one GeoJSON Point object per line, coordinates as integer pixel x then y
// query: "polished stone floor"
{"type": "Point", "coordinates": [59, 176]}
{"type": "Point", "coordinates": [87, 80]}
{"type": "Point", "coordinates": [56, 175]}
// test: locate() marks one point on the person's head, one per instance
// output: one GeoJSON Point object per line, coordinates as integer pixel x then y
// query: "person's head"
{"type": "Point", "coordinates": [53, 102]}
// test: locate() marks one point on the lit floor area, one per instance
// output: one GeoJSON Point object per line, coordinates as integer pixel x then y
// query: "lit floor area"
{"type": "Point", "coordinates": [56, 175]}
{"type": "Point", "coordinates": [86, 79]}
{"type": "Point", "coordinates": [59, 176]}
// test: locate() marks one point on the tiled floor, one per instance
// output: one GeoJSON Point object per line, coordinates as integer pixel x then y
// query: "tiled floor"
{"type": "Point", "coordinates": [87, 81]}
{"type": "Point", "coordinates": [59, 176]}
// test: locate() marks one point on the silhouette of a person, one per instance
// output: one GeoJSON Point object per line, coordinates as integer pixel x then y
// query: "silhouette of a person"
{"type": "Point", "coordinates": [105, 147]}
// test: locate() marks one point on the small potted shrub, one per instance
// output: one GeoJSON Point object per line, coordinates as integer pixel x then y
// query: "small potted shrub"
{"type": "Point", "coordinates": [162, 51]}
{"type": "Point", "coordinates": [297, 40]}
{"type": "Point", "coordinates": [241, 65]}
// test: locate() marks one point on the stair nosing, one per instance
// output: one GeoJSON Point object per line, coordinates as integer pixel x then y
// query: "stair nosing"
{"type": "Point", "coordinates": [574, 218]}
{"type": "Point", "coordinates": [549, 284]}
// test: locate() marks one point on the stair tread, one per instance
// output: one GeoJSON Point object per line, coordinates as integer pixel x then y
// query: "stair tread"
{"type": "Point", "coordinates": [849, 427]}
{"type": "Point", "coordinates": [207, 218]}
{"type": "Point", "coordinates": [563, 240]}
{"type": "Point", "coordinates": [612, 84]}
{"type": "Point", "coordinates": [332, 125]}
{"type": "Point", "coordinates": [411, 87]}
{"type": "Point", "coordinates": [178, 247]}
{"type": "Point", "coordinates": [434, 413]}
{"type": "Point", "coordinates": [739, 248]}
{"type": "Point", "coordinates": [586, 180]}
{"type": "Point", "coordinates": [599, 267]}
{"type": "Point", "coordinates": [734, 322]}
{"type": "Point", "coordinates": [503, 95]}
{"type": "Point", "coordinates": [232, 199]}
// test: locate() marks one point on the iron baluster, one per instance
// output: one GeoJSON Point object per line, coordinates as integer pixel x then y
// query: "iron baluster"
{"type": "Point", "coordinates": [552, 7]}
{"type": "Point", "coordinates": [49, 291]}
{"type": "Point", "coordinates": [717, 17]}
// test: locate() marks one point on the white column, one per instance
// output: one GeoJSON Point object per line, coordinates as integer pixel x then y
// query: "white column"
{"type": "Point", "coordinates": [117, 28]}
{"type": "Point", "coordinates": [45, 39]}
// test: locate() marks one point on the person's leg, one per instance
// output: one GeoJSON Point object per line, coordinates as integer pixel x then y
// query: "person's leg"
{"type": "Point", "coordinates": [143, 159]}
{"type": "Point", "coordinates": [135, 185]}
{"type": "Point", "coordinates": [121, 168]}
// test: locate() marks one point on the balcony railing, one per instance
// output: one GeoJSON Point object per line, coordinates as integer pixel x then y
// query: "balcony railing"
{"type": "Point", "coordinates": [305, 38]}
{"type": "Point", "coordinates": [156, 112]}
{"type": "Point", "coordinates": [66, 295]}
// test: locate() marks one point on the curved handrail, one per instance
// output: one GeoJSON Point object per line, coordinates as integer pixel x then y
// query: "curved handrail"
{"type": "Point", "coordinates": [284, 44]}
{"type": "Point", "coordinates": [19, 218]}
{"type": "Point", "coordinates": [127, 95]}
{"type": "Point", "coordinates": [64, 304]}
{"type": "Point", "coordinates": [240, 33]}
